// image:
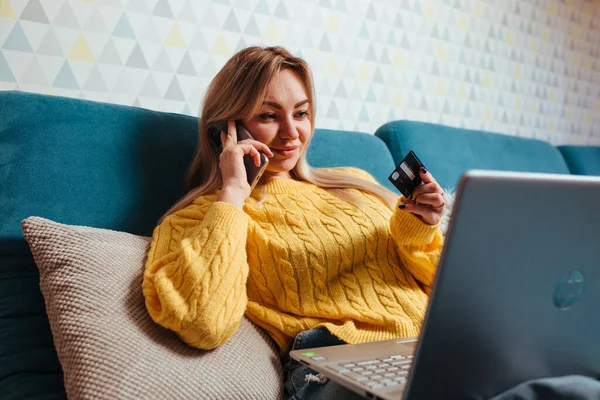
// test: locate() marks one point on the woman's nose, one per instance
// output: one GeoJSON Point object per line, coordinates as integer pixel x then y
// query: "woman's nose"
{"type": "Point", "coordinates": [287, 128]}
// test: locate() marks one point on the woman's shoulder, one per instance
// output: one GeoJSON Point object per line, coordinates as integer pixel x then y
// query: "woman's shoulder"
{"type": "Point", "coordinates": [206, 199]}
{"type": "Point", "coordinates": [195, 210]}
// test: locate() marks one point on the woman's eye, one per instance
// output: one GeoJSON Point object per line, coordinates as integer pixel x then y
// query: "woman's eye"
{"type": "Point", "coordinates": [265, 117]}
{"type": "Point", "coordinates": [302, 114]}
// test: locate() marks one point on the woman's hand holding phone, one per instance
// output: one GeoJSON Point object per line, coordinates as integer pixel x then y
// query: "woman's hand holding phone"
{"type": "Point", "coordinates": [235, 188]}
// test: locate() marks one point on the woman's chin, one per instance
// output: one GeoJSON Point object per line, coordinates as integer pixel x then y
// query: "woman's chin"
{"type": "Point", "coordinates": [283, 166]}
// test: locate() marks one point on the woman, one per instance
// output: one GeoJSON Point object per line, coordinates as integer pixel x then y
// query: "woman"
{"type": "Point", "coordinates": [313, 256]}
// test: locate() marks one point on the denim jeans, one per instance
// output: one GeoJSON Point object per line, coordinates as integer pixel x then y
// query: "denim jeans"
{"type": "Point", "coordinates": [301, 382]}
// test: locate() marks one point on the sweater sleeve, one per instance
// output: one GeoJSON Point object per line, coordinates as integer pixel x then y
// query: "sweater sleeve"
{"type": "Point", "coordinates": [195, 275]}
{"type": "Point", "coordinates": [419, 244]}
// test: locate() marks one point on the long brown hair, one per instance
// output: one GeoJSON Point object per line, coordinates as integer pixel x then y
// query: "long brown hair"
{"type": "Point", "coordinates": [237, 92]}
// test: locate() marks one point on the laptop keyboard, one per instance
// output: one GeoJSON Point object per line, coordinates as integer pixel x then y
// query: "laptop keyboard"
{"type": "Point", "coordinates": [378, 372]}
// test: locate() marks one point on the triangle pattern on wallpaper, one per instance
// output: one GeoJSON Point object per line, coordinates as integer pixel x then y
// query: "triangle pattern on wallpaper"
{"type": "Point", "coordinates": [511, 67]}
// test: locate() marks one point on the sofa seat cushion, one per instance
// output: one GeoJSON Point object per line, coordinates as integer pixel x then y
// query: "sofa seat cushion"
{"type": "Point", "coordinates": [106, 342]}
{"type": "Point", "coordinates": [29, 367]}
{"type": "Point", "coordinates": [582, 160]}
{"type": "Point", "coordinates": [448, 152]}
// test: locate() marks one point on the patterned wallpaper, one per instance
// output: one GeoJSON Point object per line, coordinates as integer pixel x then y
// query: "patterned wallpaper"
{"type": "Point", "coordinates": [528, 68]}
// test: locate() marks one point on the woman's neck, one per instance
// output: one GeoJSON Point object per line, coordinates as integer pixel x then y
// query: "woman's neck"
{"type": "Point", "coordinates": [269, 176]}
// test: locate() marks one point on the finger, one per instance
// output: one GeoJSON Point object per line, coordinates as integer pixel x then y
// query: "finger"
{"type": "Point", "coordinates": [256, 155]}
{"type": "Point", "coordinates": [417, 209]}
{"type": "Point", "coordinates": [231, 132]}
{"type": "Point", "coordinates": [426, 213]}
{"type": "Point", "coordinates": [259, 145]}
{"type": "Point", "coordinates": [262, 147]}
{"type": "Point", "coordinates": [266, 149]}
{"type": "Point", "coordinates": [406, 200]}
{"type": "Point", "coordinates": [427, 188]}
{"type": "Point", "coordinates": [426, 176]}
{"type": "Point", "coordinates": [430, 199]}
{"type": "Point", "coordinates": [251, 150]}
{"type": "Point", "coordinates": [223, 138]}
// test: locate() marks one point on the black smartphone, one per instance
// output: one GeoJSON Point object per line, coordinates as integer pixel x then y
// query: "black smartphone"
{"type": "Point", "coordinates": [406, 176]}
{"type": "Point", "coordinates": [252, 171]}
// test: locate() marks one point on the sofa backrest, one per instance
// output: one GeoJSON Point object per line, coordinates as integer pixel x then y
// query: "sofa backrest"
{"type": "Point", "coordinates": [118, 167]}
{"type": "Point", "coordinates": [448, 152]}
{"type": "Point", "coordinates": [88, 163]}
{"type": "Point", "coordinates": [582, 160]}
{"type": "Point", "coordinates": [331, 148]}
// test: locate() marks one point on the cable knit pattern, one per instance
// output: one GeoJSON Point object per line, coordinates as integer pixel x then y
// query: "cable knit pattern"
{"type": "Point", "coordinates": [405, 282]}
{"type": "Point", "coordinates": [299, 259]}
{"type": "Point", "coordinates": [343, 271]}
{"type": "Point", "coordinates": [195, 277]}
{"type": "Point", "coordinates": [277, 247]}
{"type": "Point", "coordinates": [365, 240]}
{"type": "Point", "coordinates": [297, 221]}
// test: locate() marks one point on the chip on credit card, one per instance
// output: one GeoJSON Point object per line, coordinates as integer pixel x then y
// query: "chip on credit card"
{"type": "Point", "coordinates": [406, 176]}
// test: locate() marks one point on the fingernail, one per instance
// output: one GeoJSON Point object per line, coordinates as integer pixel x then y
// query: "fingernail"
{"type": "Point", "coordinates": [423, 170]}
{"type": "Point", "coordinates": [402, 206]}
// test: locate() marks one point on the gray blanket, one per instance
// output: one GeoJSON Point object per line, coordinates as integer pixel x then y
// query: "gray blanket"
{"type": "Point", "coordinates": [573, 387]}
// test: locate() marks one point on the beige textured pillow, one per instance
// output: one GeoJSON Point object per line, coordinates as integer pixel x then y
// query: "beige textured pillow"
{"type": "Point", "coordinates": [107, 344]}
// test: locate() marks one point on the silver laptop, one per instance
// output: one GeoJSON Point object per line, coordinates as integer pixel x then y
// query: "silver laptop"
{"type": "Point", "coordinates": [516, 296]}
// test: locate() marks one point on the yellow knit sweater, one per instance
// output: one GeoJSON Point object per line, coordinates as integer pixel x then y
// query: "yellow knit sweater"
{"type": "Point", "coordinates": [301, 259]}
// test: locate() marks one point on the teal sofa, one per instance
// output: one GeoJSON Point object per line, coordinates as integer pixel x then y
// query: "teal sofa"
{"type": "Point", "coordinates": [116, 167]}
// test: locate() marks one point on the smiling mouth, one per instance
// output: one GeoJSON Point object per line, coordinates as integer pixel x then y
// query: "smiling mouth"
{"type": "Point", "coordinates": [285, 153]}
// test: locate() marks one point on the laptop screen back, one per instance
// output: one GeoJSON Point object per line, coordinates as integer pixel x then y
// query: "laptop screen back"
{"type": "Point", "coordinates": [518, 290]}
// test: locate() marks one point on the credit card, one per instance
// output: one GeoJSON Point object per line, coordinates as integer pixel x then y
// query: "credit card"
{"type": "Point", "coordinates": [406, 176]}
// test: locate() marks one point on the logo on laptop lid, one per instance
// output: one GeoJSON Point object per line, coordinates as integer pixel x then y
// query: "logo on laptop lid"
{"type": "Point", "coordinates": [569, 289]}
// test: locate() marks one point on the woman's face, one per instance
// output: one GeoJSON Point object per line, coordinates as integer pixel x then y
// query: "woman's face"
{"type": "Point", "coordinates": [282, 123]}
